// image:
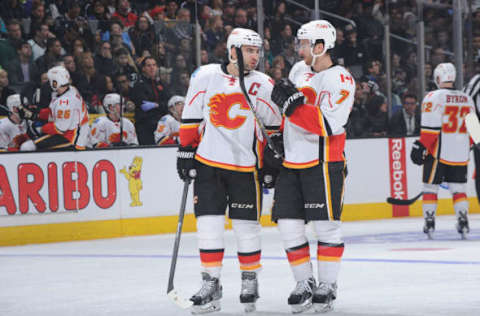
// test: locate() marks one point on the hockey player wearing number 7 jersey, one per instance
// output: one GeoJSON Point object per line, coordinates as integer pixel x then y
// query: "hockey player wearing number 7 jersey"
{"type": "Point", "coordinates": [227, 155]}
{"type": "Point", "coordinates": [66, 117]}
{"type": "Point", "coordinates": [311, 182]}
{"type": "Point", "coordinates": [443, 147]}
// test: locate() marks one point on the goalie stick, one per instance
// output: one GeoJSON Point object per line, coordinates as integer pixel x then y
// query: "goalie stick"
{"type": "Point", "coordinates": [241, 76]}
{"type": "Point", "coordinates": [171, 291]}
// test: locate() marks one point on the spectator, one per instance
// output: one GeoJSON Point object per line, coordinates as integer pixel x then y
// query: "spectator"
{"type": "Point", "coordinates": [240, 18]}
{"type": "Point", "coordinates": [97, 16]}
{"type": "Point", "coordinates": [160, 55]}
{"type": "Point", "coordinates": [122, 86]}
{"type": "Point", "coordinates": [5, 90]}
{"type": "Point", "coordinates": [376, 123]}
{"type": "Point", "coordinates": [150, 100]}
{"type": "Point", "coordinates": [123, 63]}
{"type": "Point", "coordinates": [92, 76]}
{"type": "Point", "coordinates": [68, 19]}
{"type": "Point", "coordinates": [353, 52]}
{"type": "Point", "coordinates": [7, 46]}
{"type": "Point", "coordinates": [279, 44]}
{"type": "Point", "coordinates": [142, 36]}
{"type": "Point", "coordinates": [11, 9]}
{"type": "Point", "coordinates": [57, 8]}
{"type": "Point", "coordinates": [38, 16]}
{"type": "Point", "coordinates": [104, 60]}
{"type": "Point", "coordinates": [217, 7]}
{"type": "Point", "coordinates": [228, 13]}
{"type": "Point", "coordinates": [103, 86]}
{"type": "Point", "coordinates": [166, 77]}
{"type": "Point", "coordinates": [203, 57]}
{"type": "Point", "coordinates": [22, 69]}
{"type": "Point", "coordinates": [407, 121]}
{"type": "Point", "coordinates": [172, 7]}
{"type": "Point", "coordinates": [214, 32]}
{"type": "Point", "coordinates": [51, 56]}
{"type": "Point", "coordinates": [116, 29]}
{"type": "Point", "coordinates": [78, 79]}
{"type": "Point", "coordinates": [219, 55]}
{"type": "Point", "coordinates": [39, 40]}
{"type": "Point", "coordinates": [357, 119]}
{"type": "Point", "coordinates": [124, 14]}
{"type": "Point", "coordinates": [437, 57]}
{"type": "Point", "coordinates": [183, 83]}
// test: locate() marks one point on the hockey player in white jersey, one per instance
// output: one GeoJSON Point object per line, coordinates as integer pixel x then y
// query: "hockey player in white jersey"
{"type": "Point", "coordinates": [311, 182]}
{"type": "Point", "coordinates": [13, 129]}
{"type": "Point", "coordinates": [106, 130]}
{"type": "Point", "coordinates": [168, 126]}
{"type": "Point", "coordinates": [443, 147]}
{"type": "Point", "coordinates": [66, 117]}
{"type": "Point", "coordinates": [227, 157]}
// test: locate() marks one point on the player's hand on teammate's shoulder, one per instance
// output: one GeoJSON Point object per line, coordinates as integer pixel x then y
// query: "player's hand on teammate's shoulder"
{"type": "Point", "coordinates": [287, 96]}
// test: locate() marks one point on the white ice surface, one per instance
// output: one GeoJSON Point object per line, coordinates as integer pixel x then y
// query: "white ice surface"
{"type": "Point", "coordinates": [389, 268]}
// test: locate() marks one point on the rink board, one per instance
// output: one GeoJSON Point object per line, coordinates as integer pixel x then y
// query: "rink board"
{"type": "Point", "coordinates": [62, 196]}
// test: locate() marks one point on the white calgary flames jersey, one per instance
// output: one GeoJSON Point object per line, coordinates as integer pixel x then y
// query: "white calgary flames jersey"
{"type": "Point", "coordinates": [315, 132]}
{"type": "Point", "coordinates": [104, 132]}
{"type": "Point", "coordinates": [231, 138]}
{"type": "Point", "coordinates": [12, 135]}
{"type": "Point", "coordinates": [443, 130]}
{"type": "Point", "coordinates": [168, 131]}
{"type": "Point", "coordinates": [298, 70]}
{"type": "Point", "coordinates": [70, 117]}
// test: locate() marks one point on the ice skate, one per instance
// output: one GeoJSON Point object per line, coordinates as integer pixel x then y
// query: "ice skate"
{"type": "Point", "coordinates": [429, 226]}
{"type": "Point", "coordinates": [207, 299]}
{"type": "Point", "coordinates": [462, 224]}
{"type": "Point", "coordinates": [324, 296]}
{"type": "Point", "coordinates": [249, 291]}
{"type": "Point", "coordinates": [301, 298]}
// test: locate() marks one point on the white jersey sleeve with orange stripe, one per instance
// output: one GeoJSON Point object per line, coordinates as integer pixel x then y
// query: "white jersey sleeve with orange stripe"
{"type": "Point", "coordinates": [167, 130]}
{"type": "Point", "coordinates": [314, 133]}
{"type": "Point", "coordinates": [230, 138]}
{"type": "Point", "coordinates": [12, 135]}
{"type": "Point", "coordinates": [443, 130]}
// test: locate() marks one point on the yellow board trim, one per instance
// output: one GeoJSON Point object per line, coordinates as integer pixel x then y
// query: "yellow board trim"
{"type": "Point", "coordinates": [59, 232]}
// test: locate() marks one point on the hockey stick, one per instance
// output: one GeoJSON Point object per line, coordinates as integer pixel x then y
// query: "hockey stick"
{"type": "Point", "coordinates": [121, 119]}
{"type": "Point", "coordinates": [241, 76]}
{"type": "Point", "coordinates": [395, 201]}
{"type": "Point", "coordinates": [171, 292]}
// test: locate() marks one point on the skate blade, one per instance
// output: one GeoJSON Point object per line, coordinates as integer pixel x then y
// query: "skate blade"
{"type": "Point", "coordinates": [463, 235]}
{"type": "Point", "coordinates": [300, 308]}
{"type": "Point", "coordinates": [210, 307]}
{"type": "Point", "coordinates": [249, 307]}
{"type": "Point", "coordinates": [430, 234]}
{"type": "Point", "coordinates": [323, 308]}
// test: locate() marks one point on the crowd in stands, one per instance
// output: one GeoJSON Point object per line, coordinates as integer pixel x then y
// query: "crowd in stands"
{"type": "Point", "coordinates": [145, 49]}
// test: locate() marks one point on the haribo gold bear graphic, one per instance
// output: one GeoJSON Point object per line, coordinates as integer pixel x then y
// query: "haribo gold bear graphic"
{"type": "Point", "coordinates": [134, 180]}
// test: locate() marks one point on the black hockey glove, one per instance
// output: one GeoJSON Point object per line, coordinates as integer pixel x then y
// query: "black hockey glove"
{"type": "Point", "coordinates": [272, 162]}
{"type": "Point", "coordinates": [287, 96]}
{"type": "Point", "coordinates": [34, 131]}
{"type": "Point", "coordinates": [26, 114]}
{"type": "Point", "coordinates": [418, 154]}
{"type": "Point", "coordinates": [186, 163]}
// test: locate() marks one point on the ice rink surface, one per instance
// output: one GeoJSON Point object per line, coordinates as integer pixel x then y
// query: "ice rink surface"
{"type": "Point", "coordinates": [389, 268]}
